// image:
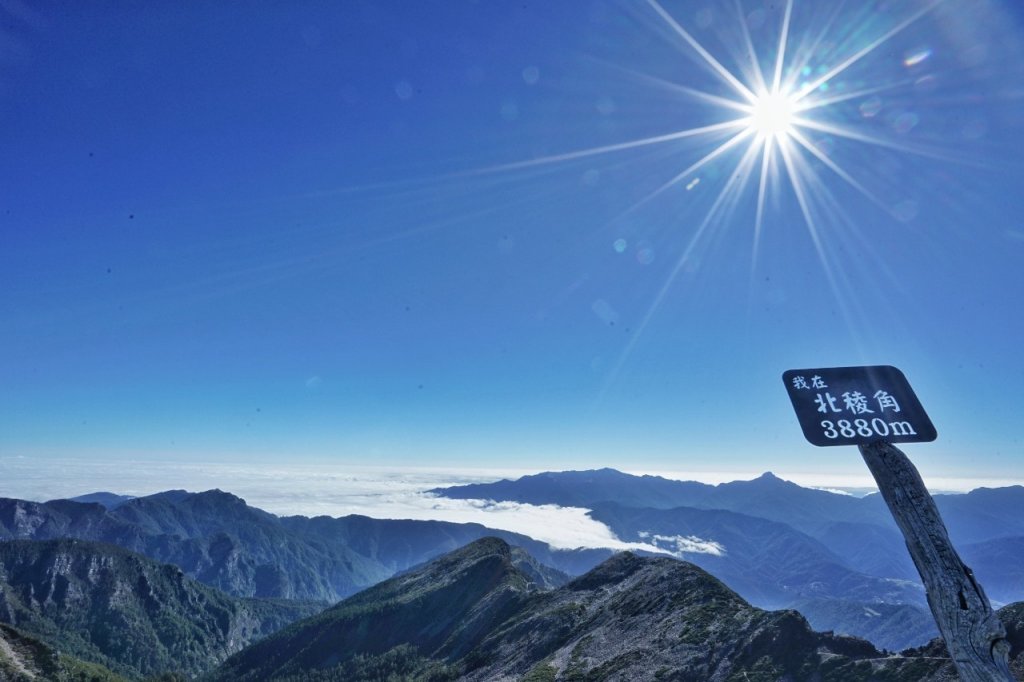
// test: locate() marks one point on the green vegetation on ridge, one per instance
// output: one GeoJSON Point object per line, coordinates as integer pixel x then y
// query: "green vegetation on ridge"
{"type": "Point", "coordinates": [136, 617]}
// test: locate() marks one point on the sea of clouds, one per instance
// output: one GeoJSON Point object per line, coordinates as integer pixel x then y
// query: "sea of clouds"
{"type": "Point", "coordinates": [339, 490]}
{"type": "Point", "coordinates": [315, 490]}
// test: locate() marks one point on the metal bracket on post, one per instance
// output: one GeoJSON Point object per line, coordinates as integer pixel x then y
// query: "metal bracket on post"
{"type": "Point", "coordinates": [974, 635]}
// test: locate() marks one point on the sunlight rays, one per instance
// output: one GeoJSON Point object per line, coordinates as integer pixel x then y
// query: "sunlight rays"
{"type": "Point", "coordinates": [755, 73]}
{"type": "Point", "coordinates": [835, 168]}
{"type": "Point", "coordinates": [727, 199]}
{"type": "Point", "coordinates": [703, 161]}
{"type": "Point", "coordinates": [780, 112]}
{"type": "Point", "coordinates": [766, 160]}
{"type": "Point", "coordinates": [606, 149]}
{"type": "Point", "coordinates": [767, 124]}
{"type": "Point", "coordinates": [781, 56]}
{"type": "Point", "coordinates": [715, 65]}
{"type": "Point", "coordinates": [867, 49]}
{"type": "Point", "coordinates": [777, 111]}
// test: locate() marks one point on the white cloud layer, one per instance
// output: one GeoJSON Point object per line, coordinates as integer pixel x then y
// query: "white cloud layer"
{"type": "Point", "coordinates": [341, 489]}
{"type": "Point", "coordinates": [314, 490]}
{"type": "Point", "coordinates": [681, 545]}
{"type": "Point", "coordinates": [834, 491]}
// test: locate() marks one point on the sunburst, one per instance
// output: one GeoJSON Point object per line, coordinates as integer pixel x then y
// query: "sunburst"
{"type": "Point", "coordinates": [770, 116]}
{"type": "Point", "coordinates": [779, 113]}
{"type": "Point", "coordinates": [770, 119]}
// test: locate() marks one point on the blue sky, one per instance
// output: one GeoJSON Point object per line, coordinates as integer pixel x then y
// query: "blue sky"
{"type": "Point", "coordinates": [341, 232]}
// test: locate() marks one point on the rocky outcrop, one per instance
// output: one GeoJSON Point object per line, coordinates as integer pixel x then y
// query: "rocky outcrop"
{"type": "Point", "coordinates": [472, 615]}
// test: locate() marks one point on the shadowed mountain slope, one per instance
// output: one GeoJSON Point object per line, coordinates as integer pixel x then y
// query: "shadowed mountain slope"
{"type": "Point", "coordinates": [999, 566]}
{"type": "Point", "coordinates": [769, 563]}
{"type": "Point", "coordinates": [893, 627]}
{"type": "Point", "coordinates": [443, 610]}
{"type": "Point", "coordinates": [129, 613]}
{"type": "Point", "coordinates": [471, 615]}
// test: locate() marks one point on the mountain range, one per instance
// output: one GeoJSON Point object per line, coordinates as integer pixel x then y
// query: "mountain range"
{"type": "Point", "coordinates": [216, 538]}
{"type": "Point", "coordinates": [980, 515]}
{"type": "Point", "coordinates": [472, 615]}
{"type": "Point", "coordinates": [231, 574]}
{"type": "Point", "coordinates": [780, 545]}
{"type": "Point", "coordinates": [477, 613]}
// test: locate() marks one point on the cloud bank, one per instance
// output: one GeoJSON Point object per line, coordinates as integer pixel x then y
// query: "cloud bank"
{"type": "Point", "coordinates": [319, 490]}
{"type": "Point", "coordinates": [341, 489]}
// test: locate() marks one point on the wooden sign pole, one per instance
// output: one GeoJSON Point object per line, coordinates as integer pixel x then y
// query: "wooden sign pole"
{"type": "Point", "coordinates": [975, 637]}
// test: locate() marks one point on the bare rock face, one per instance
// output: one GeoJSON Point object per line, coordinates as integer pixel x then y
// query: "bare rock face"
{"type": "Point", "coordinates": [641, 618]}
{"type": "Point", "coordinates": [472, 615]}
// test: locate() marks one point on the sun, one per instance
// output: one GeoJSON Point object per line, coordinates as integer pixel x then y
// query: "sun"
{"type": "Point", "coordinates": [778, 116]}
{"type": "Point", "coordinates": [773, 115]}
{"type": "Point", "coordinates": [776, 119]}
{"type": "Point", "coordinates": [783, 107]}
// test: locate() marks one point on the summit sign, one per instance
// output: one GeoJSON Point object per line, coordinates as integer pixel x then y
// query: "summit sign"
{"type": "Point", "coordinates": [857, 406]}
{"type": "Point", "coordinates": [872, 408]}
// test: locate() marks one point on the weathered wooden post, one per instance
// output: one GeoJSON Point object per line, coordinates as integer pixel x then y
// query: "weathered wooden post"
{"type": "Point", "coordinates": [974, 635]}
{"type": "Point", "coordinates": [873, 407]}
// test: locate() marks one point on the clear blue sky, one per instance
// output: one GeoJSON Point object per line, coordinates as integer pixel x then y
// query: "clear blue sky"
{"type": "Point", "coordinates": [304, 231]}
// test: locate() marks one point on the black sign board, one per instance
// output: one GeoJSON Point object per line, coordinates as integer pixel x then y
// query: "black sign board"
{"type": "Point", "coordinates": [857, 406]}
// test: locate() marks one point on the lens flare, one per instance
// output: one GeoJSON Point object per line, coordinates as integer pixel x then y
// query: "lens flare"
{"type": "Point", "coordinates": [775, 119]}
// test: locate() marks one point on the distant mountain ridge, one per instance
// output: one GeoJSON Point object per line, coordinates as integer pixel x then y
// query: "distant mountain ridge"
{"type": "Point", "coordinates": [221, 541]}
{"type": "Point", "coordinates": [982, 514]}
{"type": "Point", "coordinates": [107, 499]}
{"type": "Point", "coordinates": [822, 545]}
{"type": "Point", "coordinates": [471, 615]}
